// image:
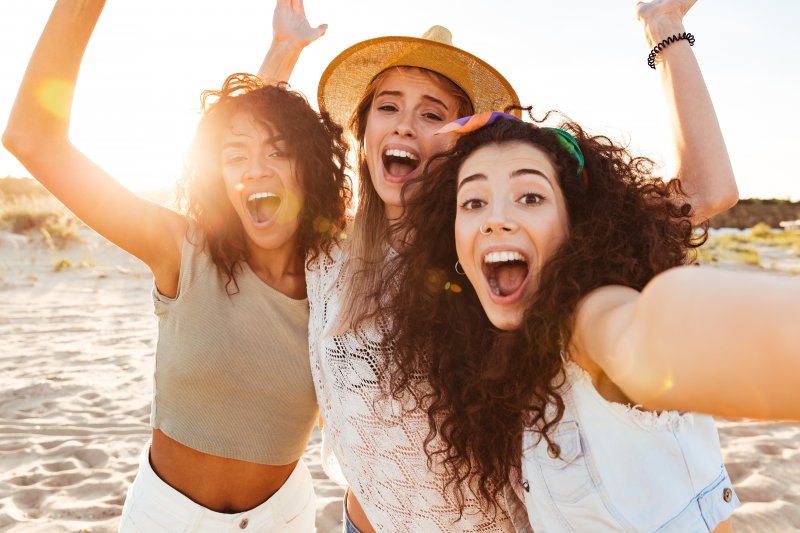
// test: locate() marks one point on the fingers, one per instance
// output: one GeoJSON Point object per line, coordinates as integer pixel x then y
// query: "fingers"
{"type": "Point", "coordinates": [321, 29]}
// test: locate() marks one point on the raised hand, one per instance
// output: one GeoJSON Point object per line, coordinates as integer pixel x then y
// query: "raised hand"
{"type": "Point", "coordinates": [662, 18]}
{"type": "Point", "coordinates": [673, 9]}
{"type": "Point", "coordinates": [289, 23]}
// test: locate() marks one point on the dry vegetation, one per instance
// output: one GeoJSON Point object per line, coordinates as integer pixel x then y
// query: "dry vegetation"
{"type": "Point", "coordinates": [759, 246]}
{"type": "Point", "coordinates": [27, 208]}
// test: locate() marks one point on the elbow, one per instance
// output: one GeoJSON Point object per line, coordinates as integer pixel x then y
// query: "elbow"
{"type": "Point", "coordinates": [716, 201]}
{"type": "Point", "coordinates": [17, 142]}
{"type": "Point", "coordinates": [728, 197]}
{"type": "Point", "coordinates": [28, 146]}
{"type": "Point", "coordinates": [11, 140]}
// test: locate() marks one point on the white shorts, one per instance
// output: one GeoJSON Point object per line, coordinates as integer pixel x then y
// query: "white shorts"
{"type": "Point", "coordinates": [152, 506]}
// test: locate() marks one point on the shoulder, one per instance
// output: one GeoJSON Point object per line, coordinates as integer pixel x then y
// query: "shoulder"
{"type": "Point", "coordinates": [602, 318]}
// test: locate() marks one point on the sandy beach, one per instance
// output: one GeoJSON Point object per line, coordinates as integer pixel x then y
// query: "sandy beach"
{"type": "Point", "coordinates": [78, 337]}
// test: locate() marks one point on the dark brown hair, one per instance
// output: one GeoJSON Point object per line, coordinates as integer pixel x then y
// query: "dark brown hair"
{"type": "Point", "coordinates": [314, 142]}
{"type": "Point", "coordinates": [483, 387]}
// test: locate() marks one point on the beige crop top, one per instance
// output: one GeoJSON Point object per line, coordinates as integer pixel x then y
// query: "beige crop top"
{"type": "Point", "coordinates": [232, 373]}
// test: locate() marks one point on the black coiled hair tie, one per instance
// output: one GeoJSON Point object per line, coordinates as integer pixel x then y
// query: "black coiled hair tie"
{"type": "Point", "coordinates": [651, 59]}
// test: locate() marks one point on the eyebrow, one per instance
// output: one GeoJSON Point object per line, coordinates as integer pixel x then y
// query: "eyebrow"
{"type": "Point", "coordinates": [515, 174]}
{"type": "Point", "coordinates": [239, 144]}
{"type": "Point", "coordinates": [424, 96]}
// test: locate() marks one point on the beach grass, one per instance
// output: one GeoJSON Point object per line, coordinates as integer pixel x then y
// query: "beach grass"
{"type": "Point", "coordinates": [42, 215]}
{"type": "Point", "coordinates": [758, 246]}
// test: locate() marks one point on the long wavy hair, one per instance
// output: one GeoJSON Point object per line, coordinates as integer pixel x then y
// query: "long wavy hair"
{"type": "Point", "coordinates": [316, 145]}
{"type": "Point", "coordinates": [370, 232]}
{"type": "Point", "coordinates": [482, 387]}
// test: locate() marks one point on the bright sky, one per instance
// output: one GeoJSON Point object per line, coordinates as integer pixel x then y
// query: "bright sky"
{"type": "Point", "coordinates": [138, 93]}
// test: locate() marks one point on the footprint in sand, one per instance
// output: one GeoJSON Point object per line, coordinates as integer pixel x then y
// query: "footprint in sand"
{"type": "Point", "coordinates": [90, 395]}
{"type": "Point", "coordinates": [93, 457]}
{"type": "Point", "coordinates": [94, 490]}
{"type": "Point", "coordinates": [60, 466]}
{"type": "Point", "coordinates": [769, 449]}
{"type": "Point", "coordinates": [29, 499]}
{"type": "Point", "coordinates": [739, 471]}
{"type": "Point", "coordinates": [64, 480]}
{"type": "Point", "coordinates": [51, 444]}
{"type": "Point", "coordinates": [26, 480]}
{"type": "Point", "coordinates": [762, 489]}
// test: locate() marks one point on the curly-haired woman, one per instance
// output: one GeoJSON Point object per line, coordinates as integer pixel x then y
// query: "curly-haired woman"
{"type": "Point", "coordinates": [569, 303]}
{"type": "Point", "coordinates": [395, 93]}
{"type": "Point", "coordinates": [233, 401]}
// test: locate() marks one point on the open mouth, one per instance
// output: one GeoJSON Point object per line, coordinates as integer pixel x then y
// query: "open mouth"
{"type": "Point", "coordinates": [506, 273]}
{"type": "Point", "coordinates": [262, 206]}
{"type": "Point", "coordinates": [400, 163]}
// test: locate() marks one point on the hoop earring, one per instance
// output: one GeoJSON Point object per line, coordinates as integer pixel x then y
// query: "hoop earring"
{"type": "Point", "coordinates": [486, 231]}
{"type": "Point", "coordinates": [457, 267]}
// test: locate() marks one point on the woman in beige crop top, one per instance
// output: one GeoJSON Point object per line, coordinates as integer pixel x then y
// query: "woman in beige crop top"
{"type": "Point", "coordinates": [254, 207]}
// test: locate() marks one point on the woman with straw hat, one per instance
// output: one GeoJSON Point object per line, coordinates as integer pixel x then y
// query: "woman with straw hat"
{"type": "Point", "coordinates": [395, 93]}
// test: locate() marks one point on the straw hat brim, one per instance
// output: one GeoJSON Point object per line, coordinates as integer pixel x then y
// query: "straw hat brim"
{"type": "Point", "coordinates": [344, 81]}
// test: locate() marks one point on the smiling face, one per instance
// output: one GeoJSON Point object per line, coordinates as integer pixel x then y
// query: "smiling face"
{"type": "Point", "coordinates": [409, 106]}
{"type": "Point", "coordinates": [510, 220]}
{"type": "Point", "coordinates": [261, 183]}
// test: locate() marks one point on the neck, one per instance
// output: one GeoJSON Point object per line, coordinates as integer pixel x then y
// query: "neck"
{"type": "Point", "coordinates": [393, 215]}
{"type": "Point", "coordinates": [280, 268]}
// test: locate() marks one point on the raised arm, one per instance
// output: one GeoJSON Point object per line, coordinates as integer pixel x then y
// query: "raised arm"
{"type": "Point", "coordinates": [291, 32]}
{"type": "Point", "coordinates": [703, 165]}
{"type": "Point", "coordinates": [37, 134]}
{"type": "Point", "coordinates": [698, 339]}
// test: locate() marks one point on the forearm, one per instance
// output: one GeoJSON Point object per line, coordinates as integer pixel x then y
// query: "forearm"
{"type": "Point", "coordinates": [280, 60]}
{"type": "Point", "coordinates": [726, 343]}
{"type": "Point", "coordinates": [703, 164]}
{"type": "Point", "coordinates": [41, 112]}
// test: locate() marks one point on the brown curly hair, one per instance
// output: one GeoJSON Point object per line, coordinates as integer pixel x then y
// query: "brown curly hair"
{"type": "Point", "coordinates": [315, 143]}
{"type": "Point", "coordinates": [482, 387]}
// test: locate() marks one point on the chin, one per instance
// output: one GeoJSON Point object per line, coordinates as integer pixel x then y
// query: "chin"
{"type": "Point", "coordinates": [505, 319]}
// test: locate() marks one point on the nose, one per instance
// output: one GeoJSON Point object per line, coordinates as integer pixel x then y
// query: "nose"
{"type": "Point", "coordinates": [499, 221]}
{"type": "Point", "coordinates": [404, 126]}
{"type": "Point", "coordinates": [259, 168]}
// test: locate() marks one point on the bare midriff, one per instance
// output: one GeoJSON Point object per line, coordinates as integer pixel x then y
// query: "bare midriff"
{"type": "Point", "coordinates": [217, 483]}
{"type": "Point", "coordinates": [357, 515]}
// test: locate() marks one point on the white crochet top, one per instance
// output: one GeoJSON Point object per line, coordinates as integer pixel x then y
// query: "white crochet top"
{"type": "Point", "coordinates": [378, 448]}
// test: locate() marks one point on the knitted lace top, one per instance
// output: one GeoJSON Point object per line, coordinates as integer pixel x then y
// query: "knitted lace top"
{"type": "Point", "coordinates": [371, 442]}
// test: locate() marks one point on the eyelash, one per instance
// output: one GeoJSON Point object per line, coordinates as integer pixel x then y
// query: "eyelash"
{"type": "Point", "coordinates": [232, 160]}
{"type": "Point", "coordinates": [466, 204]}
{"type": "Point", "coordinates": [467, 207]}
{"type": "Point", "coordinates": [429, 115]}
{"type": "Point", "coordinates": [539, 198]}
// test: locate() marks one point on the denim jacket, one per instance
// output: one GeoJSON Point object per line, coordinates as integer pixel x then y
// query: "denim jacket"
{"type": "Point", "coordinates": [617, 468]}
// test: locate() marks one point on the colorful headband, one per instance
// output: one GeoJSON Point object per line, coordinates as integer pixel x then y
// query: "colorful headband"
{"type": "Point", "coordinates": [476, 122]}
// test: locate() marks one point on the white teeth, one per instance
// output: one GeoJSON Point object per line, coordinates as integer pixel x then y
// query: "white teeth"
{"type": "Point", "coordinates": [259, 195]}
{"type": "Point", "coordinates": [503, 257]}
{"type": "Point", "coordinates": [393, 152]}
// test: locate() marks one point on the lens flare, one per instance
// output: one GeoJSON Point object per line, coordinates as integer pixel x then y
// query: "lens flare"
{"type": "Point", "coordinates": [56, 96]}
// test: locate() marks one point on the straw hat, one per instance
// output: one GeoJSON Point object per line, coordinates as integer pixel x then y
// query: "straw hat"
{"type": "Point", "coordinates": [344, 81]}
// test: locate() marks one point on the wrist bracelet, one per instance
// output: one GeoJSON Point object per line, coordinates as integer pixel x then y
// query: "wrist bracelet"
{"type": "Point", "coordinates": [651, 59]}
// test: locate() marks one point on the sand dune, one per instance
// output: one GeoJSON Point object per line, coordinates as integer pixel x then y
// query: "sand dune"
{"type": "Point", "coordinates": [77, 355]}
